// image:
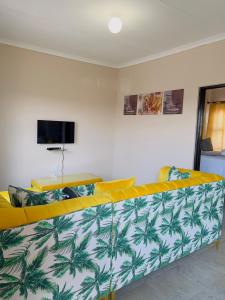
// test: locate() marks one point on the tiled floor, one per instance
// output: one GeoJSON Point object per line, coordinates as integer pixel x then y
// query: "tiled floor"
{"type": "Point", "coordinates": [200, 276]}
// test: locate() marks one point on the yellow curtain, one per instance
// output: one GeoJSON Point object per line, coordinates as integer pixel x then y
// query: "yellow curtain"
{"type": "Point", "coordinates": [216, 125]}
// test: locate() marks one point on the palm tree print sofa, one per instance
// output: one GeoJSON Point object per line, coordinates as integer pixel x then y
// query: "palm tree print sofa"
{"type": "Point", "coordinates": [87, 247]}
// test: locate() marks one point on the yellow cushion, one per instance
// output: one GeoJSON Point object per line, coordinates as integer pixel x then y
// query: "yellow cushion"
{"type": "Point", "coordinates": [4, 202]}
{"type": "Point", "coordinates": [5, 195]}
{"type": "Point", "coordinates": [119, 184]}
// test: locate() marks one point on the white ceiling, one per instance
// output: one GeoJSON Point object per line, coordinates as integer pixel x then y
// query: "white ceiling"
{"type": "Point", "coordinates": [78, 28]}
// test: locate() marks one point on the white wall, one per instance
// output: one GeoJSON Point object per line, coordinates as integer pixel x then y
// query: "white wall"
{"type": "Point", "coordinates": [143, 144]}
{"type": "Point", "coordinates": [38, 86]}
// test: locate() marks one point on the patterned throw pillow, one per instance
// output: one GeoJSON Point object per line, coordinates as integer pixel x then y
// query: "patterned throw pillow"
{"type": "Point", "coordinates": [71, 193]}
{"type": "Point", "coordinates": [20, 197]}
{"type": "Point", "coordinates": [175, 174]}
{"type": "Point", "coordinates": [84, 190]}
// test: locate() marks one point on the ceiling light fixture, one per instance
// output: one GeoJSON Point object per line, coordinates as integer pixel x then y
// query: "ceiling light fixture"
{"type": "Point", "coordinates": [115, 25]}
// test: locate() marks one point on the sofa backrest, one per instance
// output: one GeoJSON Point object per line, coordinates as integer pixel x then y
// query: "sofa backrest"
{"type": "Point", "coordinates": [157, 224]}
{"type": "Point", "coordinates": [61, 257]}
{"type": "Point", "coordinates": [87, 246]}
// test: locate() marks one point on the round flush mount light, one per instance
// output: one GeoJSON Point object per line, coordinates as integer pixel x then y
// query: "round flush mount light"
{"type": "Point", "coordinates": [115, 25]}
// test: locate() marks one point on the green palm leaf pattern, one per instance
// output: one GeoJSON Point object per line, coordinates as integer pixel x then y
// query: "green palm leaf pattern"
{"type": "Point", "coordinates": [32, 278]}
{"type": "Point", "coordinates": [161, 200]}
{"type": "Point", "coordinates": [193, 218]}
{"type": "Point", "coordinates": [40, 258]}
{"type": "Point", "coordinates": [147, 234]}
{"type": "Point", "coordinates": [204, 190]}
{"type": "Point", "coordinates": [220, 188]}
{"type": "Point", "coordinates": [211, 212]}
{"type": "Point", "coordinates": [158, 254]}
{"type": "Point", "coordinates": [95, 216]}
{"type": "Point", "coordinates": [86, 254]}
{"type": "Point", "coordinates": [121, 243]}
{"type": "Point", "coordinates": [64, 294]}
{"type": "Point", "coordinates": [8, 239]}
{"type": "Point", "coordinates": [133, 207]}
{"type": "Point", "coordinates": [172, 225]}
{"type": "Point", "coordinates": [84, 190]}
{"type": "Point", "coordinates": [17, 261]}
{"type": "Point", "coordinates": [135, 267]}
{"type": "Point", "coordinates": [58, 194]}
{"type": "Point", "coordinates": [78, 258]}
{"type": "Point", "coordinates": [216, 231]}
{"type": "Point", "coordinates": [180, 244]}
{"type": "Point", "coordinates": [185, 194]}
{"type": "Point", "coordinates": [100, 278]}
{"type": "Point", "coordinates": [199, 238]}
{"type": "Point", "coordinates": [45, 230]}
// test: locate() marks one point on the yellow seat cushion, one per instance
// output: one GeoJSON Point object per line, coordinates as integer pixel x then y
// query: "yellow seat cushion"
{"type": "Point", "coordinates": [119, 184]}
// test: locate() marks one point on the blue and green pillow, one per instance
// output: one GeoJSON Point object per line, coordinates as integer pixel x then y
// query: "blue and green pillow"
{"type": "Point", "coordinates": [175, 174]}
{"type": "Point", "coordinates": [20, 197]}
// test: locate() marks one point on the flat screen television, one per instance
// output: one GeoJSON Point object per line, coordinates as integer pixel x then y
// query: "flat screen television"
{"type": "Point", "coordinates": [55, 132]}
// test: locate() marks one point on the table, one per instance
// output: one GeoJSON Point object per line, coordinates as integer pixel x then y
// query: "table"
{"type": "Point", "coordinates": [58, 182]}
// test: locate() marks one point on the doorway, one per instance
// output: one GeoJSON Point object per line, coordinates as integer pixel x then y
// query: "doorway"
{"type": "Point", "coordinates": [210, 131]}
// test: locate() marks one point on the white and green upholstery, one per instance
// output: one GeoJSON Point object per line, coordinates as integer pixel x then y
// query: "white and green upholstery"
{"type": "Point", "coordinates": [57, 258]}
{"type": "Point", "coordinates": [153, 231]}
{"type": "Point", "coordinates": [88, 253]}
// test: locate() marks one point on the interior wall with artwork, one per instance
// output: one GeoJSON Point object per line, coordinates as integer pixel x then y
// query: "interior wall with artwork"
{"type": "Point", "coordinates": [163, 136]}
{"type": "Point", "coordinates": [168, 102]}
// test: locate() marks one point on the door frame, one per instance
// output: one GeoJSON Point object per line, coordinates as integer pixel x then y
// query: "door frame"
{"type": "Point", "coordinates": [200, 116]}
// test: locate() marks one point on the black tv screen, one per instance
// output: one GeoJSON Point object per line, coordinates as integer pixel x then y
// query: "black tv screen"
{"type": "Point", "coordinates": [55, 132]}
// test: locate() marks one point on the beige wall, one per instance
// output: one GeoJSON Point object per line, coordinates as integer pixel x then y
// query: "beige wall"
{"type": "Point", "coordinates": [145, 143]}
{"type": "Point", "coordinates": [39, 86]}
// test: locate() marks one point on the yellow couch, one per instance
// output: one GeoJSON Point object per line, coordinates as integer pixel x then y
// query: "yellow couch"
{"type": "Point", "coordinates": [12, 217]}
{"type": "Point", "coordinates": [87, 246]}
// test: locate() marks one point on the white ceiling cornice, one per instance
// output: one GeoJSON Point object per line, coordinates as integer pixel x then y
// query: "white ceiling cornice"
{"type": "Point", "coordinates": [182, 48]}
{"type": "Point", "coordinates": [56, 53]}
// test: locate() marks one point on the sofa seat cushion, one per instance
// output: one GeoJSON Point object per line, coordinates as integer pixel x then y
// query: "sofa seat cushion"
{"type": "Point", "coordinates": [119, 184]}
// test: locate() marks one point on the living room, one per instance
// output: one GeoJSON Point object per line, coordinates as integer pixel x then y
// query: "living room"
{"type": "Point", "coordinates": [63, 62]}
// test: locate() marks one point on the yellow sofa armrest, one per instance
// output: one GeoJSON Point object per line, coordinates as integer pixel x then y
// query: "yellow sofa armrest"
{"type": "Point", "coordinates": [11, 217]}
{"type": "Point", "coordinates": [164, 173]}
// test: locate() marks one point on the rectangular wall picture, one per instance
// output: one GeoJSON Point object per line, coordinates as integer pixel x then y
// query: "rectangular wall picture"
{"type": "Point", "coordinates": [173, 102]}
{"type": "Point", "coordinates": [150, 104]}
{"type": "Point", "coordinates": [130, 105]}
